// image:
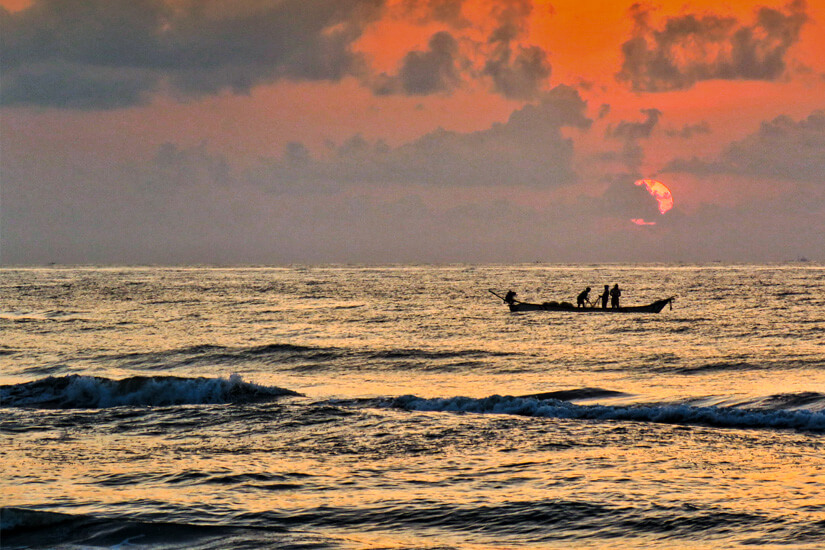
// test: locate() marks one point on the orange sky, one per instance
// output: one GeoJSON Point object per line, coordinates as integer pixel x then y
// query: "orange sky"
{"type": "Point", "coordinates": [477, 82]}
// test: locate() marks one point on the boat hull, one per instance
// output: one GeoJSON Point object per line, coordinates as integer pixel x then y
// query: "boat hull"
{"type": "Point", "coordinates": [655, 307]}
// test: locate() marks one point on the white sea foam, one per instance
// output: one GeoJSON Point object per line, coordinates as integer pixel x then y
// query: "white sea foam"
{"type": "Point", "coordinates": [728, 417]}
{"type": "Point", "coordinates": [97, 392]}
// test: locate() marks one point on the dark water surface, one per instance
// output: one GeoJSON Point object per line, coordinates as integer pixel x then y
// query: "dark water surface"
{"type": "Point", "coordinates": [405, 407]}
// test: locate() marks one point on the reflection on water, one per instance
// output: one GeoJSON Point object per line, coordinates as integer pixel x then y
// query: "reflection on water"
{"type": "Point", "coordinates": [697, 427]}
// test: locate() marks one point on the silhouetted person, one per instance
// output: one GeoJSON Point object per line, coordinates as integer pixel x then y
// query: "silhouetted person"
{"type": "Point", "coordinates": [605, 296]}
{"type": "Point", "coordinates": [614, 296]}
{"type": "Point", "coordinates": [583, 297]}
{"type": "Point", "coordinates": [510, 297]}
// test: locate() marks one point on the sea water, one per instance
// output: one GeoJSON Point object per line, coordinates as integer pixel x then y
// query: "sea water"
{"type": "Point", "coordinates": [406, 407]}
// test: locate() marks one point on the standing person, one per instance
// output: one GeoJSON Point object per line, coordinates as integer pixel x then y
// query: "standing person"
{"type": "Point", "coordinates": [584, 296]}
{"type": "Point", "coordinates": [605, 296]}
{"type": "Point", "coordinates": [614, 296]}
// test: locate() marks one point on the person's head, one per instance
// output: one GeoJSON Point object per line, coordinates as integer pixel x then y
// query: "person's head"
{"type": "Point", "coordinates": [606, 287]}
{"type": "Point", "coordinates": [587, 289]}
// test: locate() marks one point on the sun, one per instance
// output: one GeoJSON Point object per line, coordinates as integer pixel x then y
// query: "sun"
{"type": "Point", "coordinates": [660, 192]}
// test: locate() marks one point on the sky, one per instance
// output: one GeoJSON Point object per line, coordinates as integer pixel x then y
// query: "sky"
{"type": "Point", "coordinates": [395, 131]}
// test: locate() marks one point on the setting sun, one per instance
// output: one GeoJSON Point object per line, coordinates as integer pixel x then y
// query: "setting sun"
{"type": "Point", "coordinates": [660, 192]}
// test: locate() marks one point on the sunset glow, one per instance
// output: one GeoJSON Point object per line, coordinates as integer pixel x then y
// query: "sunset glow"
{"type": "Point", "coordinates": [302, 273]}
{"type": "Point", "coordinates": [269, 132]}
{"type": "Point", "coordinates": [660, 192]}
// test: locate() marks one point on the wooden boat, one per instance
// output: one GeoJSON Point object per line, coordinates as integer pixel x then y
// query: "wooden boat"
{"type": "Point", "coordinates": [566, 307]}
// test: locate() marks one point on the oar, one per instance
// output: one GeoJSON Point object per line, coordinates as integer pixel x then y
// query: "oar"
{"type": "Point", "coordinates": [497, 295]}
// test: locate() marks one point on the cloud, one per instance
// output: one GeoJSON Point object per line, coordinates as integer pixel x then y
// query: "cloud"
{"type": "Point", "coordinates": [630, 133]}
{"type": "Point", "coordinates": [187, 205]}
{"type": "Point", "coordinates": [106, 54]}
{"type": "Point", "coordinates": [688, 131]}
{"type": "Point", "coordinates": [434, 70]}
{"type": "Point", "coordinates": [425, 72]}
{"type": "Point", "coordinates": [517, 71]}
{"type": "Point", "coordinates": [782, 148]}
{"type": "Point", "coordinates": [636, 130]}
{"type": "Point", "coordinates": [76, 86]}
{"type": "Point", "coordinates": [529, 149]}
{"type": "Point", "coordinates": [179, 167]}
{"type": "Point", "coordinates": [691, 48]}
{"type": "Point", "coordinates": [445, 11]}
{"type": "Point", "coordinates": [511, 67]}
{"type": "Point", "coordinates": [777, 229]}
{"type": "Point", "coordinates": [518, 75]}
{"type": "Point", "coordinates": [115, 53]}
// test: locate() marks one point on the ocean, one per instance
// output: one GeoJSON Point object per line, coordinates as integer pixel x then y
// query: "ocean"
{"type": "Point", "coordinates": [404, 407]}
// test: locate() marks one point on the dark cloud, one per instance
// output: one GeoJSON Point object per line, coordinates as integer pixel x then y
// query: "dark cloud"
{"type": "Point", "coordinates": [514, 69]}
{"type": "Point", "coordinates": [113, 53]}
{"type": "Point", "coordinates": [180, 167]}
{"type": "Point", "coordinates": [517, 71]}
{"type": "Point", "coordinates": [691, 48]}
{"type": "Point", "coordinates": [782, 148]}
{"type": "Point", "coordinates": [87, 212]}
{"type": "Point", "coordinates": [636, 130]}
{"type": "Point", "coordinates": [426, 72]}
{"type": "Point", "coordinates": [697, 166]}
{"type": "Point", "coordinates": [688, 131]}
{"type": "Point", "coordinates": [434, 70]}
{"type": "Point", "coordinates": [187, 205]}
{"type": "Point", "coordinates": [519, 75]}
{"type": "Point", "coordinates": [529, 149]}
{"type": "Point", "coordinates": [117, 53]}
{"type": "Point", "coordinates": [630, 133]}
{"type": "Point", "coordinates": [512, 19]}
{"type": "Point", "coordinates": [445, 11]}
{"type": "Point", "coordinates": [625, 201]}
{"type": "Point", "coordinates": [777, 229]}
{"type": "Point", "coordinates": [76, 86]}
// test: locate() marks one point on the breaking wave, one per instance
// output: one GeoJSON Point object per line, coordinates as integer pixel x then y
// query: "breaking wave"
{"type": "Point", "coordinates": [723, 417]}
{"type": "Point", "coordinates": [93, 392]}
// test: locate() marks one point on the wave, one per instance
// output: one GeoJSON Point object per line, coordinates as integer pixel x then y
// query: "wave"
{"type": "Point", "coordinates": [404, 353]}
{"type": "Point", "coordinates": [526, 521]}
{"type": "Point", "coordinates": [24, 528]}
{"type": "Point", "coordinates": [207, 354]}
{"type": "Point", "coordinates": [786, 363]}
{"type": "Point", "coordinates": [681, 414]}
{"type": "Point", "coordinates": [574, 395]}
{"type": "Point", "coordinates": [94, 392]}
{"type": "Point", "coordinates": [536, 521]}
{"type": "Point", "coordinates": [808, 399]}
{"type": "Point", "coordinates": [13, 519]}
{"type": "Point", "coordinates": [723, 366]}
{"type": "Point", "coordinates": [38, 316]}
{"type": "Point", "coordinates": [298, 357]}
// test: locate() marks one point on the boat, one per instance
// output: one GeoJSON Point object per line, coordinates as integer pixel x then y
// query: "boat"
{"type": "Point", "coordinates": [566, 307]}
